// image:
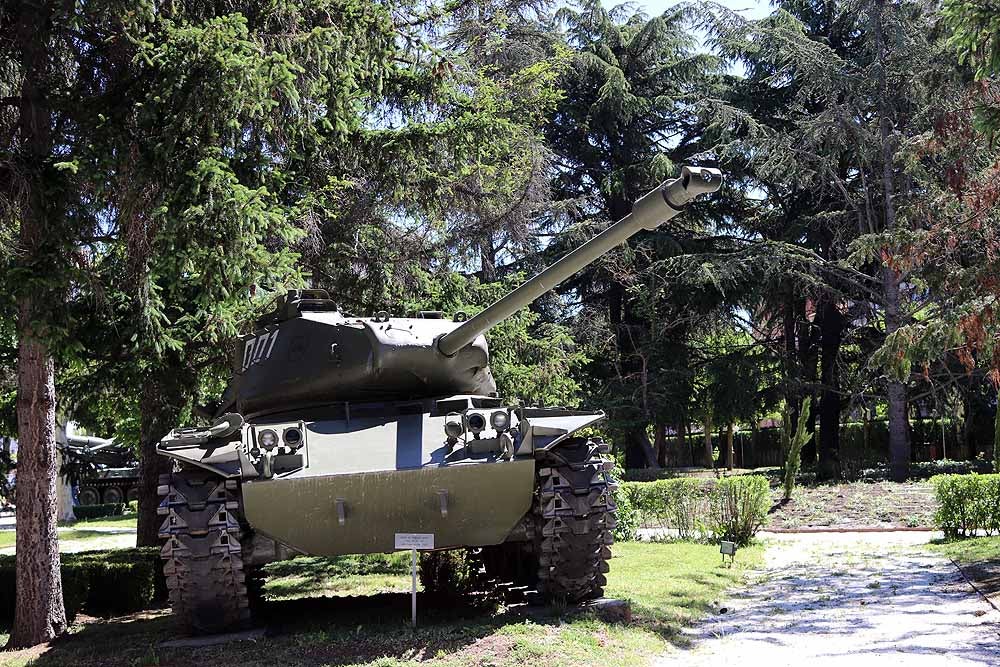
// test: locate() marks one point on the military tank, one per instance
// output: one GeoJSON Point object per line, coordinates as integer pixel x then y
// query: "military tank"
{"type": "Point", "coordinates": [336, 433]}
{"type": "Point", "coordinates": [105, 471]}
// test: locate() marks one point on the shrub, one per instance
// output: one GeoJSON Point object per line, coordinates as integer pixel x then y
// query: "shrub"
{"type": "Point", "coordinates": [102, 583]}
{"type": "Point", "coordinates": [646, 474]}
{"type": "Point", "coordinates": [996, 437]}
{"type": "Point", "coordinates": [739, 507]}
{"type": "Point", "coordinates": [795, 442]}
{"type": "Point", "coordinates": [967, 504]}
{"type": "Point", "coordinates": [84, 512]}
{"type": "Point", "coordinates": [628, 515]}
{"type": "Point", "coordinates": [680, 505]}
{"type": "Point", "coordinates": [133, 506]}
{"type": "Point", "coordinates": [448, 574]}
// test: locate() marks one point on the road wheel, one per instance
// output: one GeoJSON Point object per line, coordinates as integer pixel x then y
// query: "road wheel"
{"type": "Point", "coordinates": [112, 495]}
{"type": "Point", "coordinates": [88, 496]}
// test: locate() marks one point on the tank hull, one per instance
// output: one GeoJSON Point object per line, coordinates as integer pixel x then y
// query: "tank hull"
{"type": "Point", "coordinates": [361, 473]}
{"type": "Point", "coordinates": [471, 504]}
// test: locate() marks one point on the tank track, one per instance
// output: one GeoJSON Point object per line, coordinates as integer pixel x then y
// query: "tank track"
{"type": "Point", "coordinates": [574, 519]}
{"type": "Point", "coordinates": [203, 563]}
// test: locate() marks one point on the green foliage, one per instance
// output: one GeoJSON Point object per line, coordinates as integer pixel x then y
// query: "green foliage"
{"type": "Point", "coordinates": [796, 442]}
{"type": "Point", "coordinates": [84, 512]}
{"type": "Point", "coordinates": [628, 515]}
{"type": "Point", "coordinates": [730, 508]}
{"type": "Point", "coordinates": [449, 574]}
{"type": "Point", "coordinates": [739, 507]}
{"type": "Point", "coordinates": [533, 362]}
{"type": "Point", "coordinates": [100, 583]}
{"type": "Point", "coordinates": [679, 504]}
{"type": "Point", "coordinates": [996, 436]}
{"type": "Point", "coordinates": [975, 25]}
{"type": "Point", "coordinates": [967, 504]}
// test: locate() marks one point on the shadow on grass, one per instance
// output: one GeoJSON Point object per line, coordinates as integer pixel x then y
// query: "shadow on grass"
{"type": "Point", "coordinates": [309, 631]}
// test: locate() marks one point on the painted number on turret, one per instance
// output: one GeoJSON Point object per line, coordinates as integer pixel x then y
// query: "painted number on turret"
{"type": "Point", "coordinates": [258, 348]}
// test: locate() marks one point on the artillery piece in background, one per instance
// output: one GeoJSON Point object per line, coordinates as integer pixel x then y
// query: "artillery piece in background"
{"type": "Point", "coordinates": [105, 470]}
{"type": "Point", "coordinates": [338, 432]}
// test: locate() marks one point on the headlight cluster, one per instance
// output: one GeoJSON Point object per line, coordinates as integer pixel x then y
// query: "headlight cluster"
{"type": "Point", "coordinates": [268, 439]}
{"type": "Point", "coordinates": [455, 424]}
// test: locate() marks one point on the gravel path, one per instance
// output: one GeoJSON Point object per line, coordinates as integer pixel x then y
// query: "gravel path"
{"type": "Point", "coordinates": [848, 599]}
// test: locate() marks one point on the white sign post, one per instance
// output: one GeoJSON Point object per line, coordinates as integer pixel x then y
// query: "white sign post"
{"type": "Point", "coordinates": [414, 541]}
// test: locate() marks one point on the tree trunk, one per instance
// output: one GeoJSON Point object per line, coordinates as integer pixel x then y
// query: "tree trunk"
{"type": "Point", "coordinates": [39, 615]}
{"type": "Point", "coordinates": [691, 447]}
{"type": "Point", "coordinates": [828, 450]}
{"type": "Point", "coordinates": [681, 442]}
{"type": "Point", "coordinates": [162, 401]}
{"type": "Point", "coordinates": [729, 446]}
{"type": "Point", "coordinates": [639, 452]}
{"type": "Point", "coordinates": [709, 453]}
{"type": "Point", "coordinates": [899, 436]}
{"type": "Point", "coordinates": [809, 360]}
{"type": "Point", "coordinates": [660, 435]}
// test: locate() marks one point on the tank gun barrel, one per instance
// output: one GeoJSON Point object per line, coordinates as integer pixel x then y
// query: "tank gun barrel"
{"type": "Point", "coordinates": [649, 212]}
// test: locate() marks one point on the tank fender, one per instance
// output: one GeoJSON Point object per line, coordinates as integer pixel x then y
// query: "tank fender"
{"type": "Point", "coordinates": [223, 458]}
{"type": "Point", "coordinates": [217, 448]}
{"type": "Point", "coordinates": [542, 429]}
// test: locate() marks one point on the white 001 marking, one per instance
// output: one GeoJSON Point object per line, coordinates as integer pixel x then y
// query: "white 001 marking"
{"type": "Point", "coordinates": [259, 348]}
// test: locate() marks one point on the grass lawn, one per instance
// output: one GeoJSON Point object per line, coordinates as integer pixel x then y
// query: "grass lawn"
{"type": "Point", "coordinates": [979, 559]}
{"type": "Point", "coordinates": [968, 551]}
{"type": "Point", "coordinates": [126, 520]}
{"type": "Point", "coordinates": [83, 535]}
{"type": "Point", "coordinates": [362, 618]}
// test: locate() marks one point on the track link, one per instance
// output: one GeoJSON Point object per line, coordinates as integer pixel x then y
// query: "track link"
{"type": "Point", "coordinates": [575, 516]}
{"type": "Point", "coordinates": [202, 555]}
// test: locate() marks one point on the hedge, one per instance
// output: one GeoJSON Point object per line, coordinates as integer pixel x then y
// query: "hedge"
{"type": "Point", "coordinates": [84, 512]}
{"type": "Point", "coordinates": [731, 508]}
{"type": "Point", "coordinates": [101, 583]}
{"type": "Point", "coordinates": [763, 448]}
{"type": "Point", "coordinates": [967, 504]}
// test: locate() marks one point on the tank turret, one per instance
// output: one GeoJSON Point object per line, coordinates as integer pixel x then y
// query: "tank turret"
{"type": "Point", "coordinates": [308, 353]}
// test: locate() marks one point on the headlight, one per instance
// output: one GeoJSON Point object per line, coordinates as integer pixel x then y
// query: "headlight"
{"type": "Point", "coordinates": [500, 420]}
{"type": "Point", "coordinates": [477, 422]}
{"type": "Point", "coordinates": [453, 426]}
{"type": "Point", "coordinates": [267, 439]}
{"type": "Point", "coordinates": [292, 437]}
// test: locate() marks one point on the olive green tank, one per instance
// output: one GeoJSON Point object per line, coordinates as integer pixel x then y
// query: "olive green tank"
{"type": "Point", "coordinates": [336, 433]}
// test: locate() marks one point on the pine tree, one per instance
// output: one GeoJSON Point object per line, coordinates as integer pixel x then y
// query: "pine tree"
{"type": "Point", "coordinates": [855, 84]}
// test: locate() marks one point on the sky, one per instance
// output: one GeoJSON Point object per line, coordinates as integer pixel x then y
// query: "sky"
{"type": "Point", "coordinates": [751, 9]}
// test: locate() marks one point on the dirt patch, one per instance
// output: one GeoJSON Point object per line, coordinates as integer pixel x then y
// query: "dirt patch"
{"type": "Point", "coordinates": [985, 577]}
{"type": "Point", "coordinates": [855, 505]}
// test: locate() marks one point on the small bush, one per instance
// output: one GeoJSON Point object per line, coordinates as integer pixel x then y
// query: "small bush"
{"type": "Point", "coordinates": [646, 474]}
{"type": "Point", "coordinates": [132, 506]}
{"type": "Point", "coordinates": [628, 516]}
{"type": "Point", "coordinates": [794, 443]}
{"type": "Point", "coordinates": [84, 512]}
{"type": "Point", "coordinates": [967, 504]}
{"type": "Point", "coordinates": [449, 574]}
{"type": "Point", "coordinates": [678, 504]}
{"type": "Point", "coordinates": [102, 583]}
{"type": "Point", "coordinates": [739, 507]}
